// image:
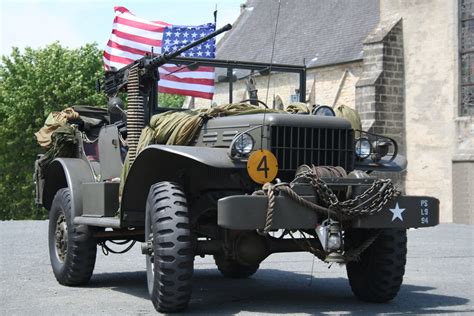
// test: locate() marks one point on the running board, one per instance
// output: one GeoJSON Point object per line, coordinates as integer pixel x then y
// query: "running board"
{"type": "Point", "coordinates": [110, 222]}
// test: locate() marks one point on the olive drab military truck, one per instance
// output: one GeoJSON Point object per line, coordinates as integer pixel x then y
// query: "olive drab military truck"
{"type": "Point", "coordinates": [238, 182]}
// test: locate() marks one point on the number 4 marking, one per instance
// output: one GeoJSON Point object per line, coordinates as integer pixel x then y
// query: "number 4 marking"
{"type": "Point", "coordinates": [263, 166]}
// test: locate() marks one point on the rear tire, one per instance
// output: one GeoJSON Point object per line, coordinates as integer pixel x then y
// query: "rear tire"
{"type": "Point", "coordinates": [72, 248]}
{"type": "Point", "coordinates": [170, 266]}
{"type": "Point", "coordinates": [232, 269]}
{"type": "Point", "coordinates": [378, 275]}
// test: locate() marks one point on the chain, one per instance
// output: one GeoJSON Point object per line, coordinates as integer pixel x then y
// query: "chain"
{"type": "Point", "coordinates": [87, 139]}
{"type": "Point", "coordinates": [370, 202]}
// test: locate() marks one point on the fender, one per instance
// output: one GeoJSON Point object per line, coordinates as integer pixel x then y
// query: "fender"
{"type": "Point", "coordinates": [67, 173]}
{"type": "Point", "coordinates": [161, 163]}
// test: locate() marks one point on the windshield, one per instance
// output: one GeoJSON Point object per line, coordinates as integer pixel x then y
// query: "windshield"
{"type": "Point", "coordinates": [234, 82]}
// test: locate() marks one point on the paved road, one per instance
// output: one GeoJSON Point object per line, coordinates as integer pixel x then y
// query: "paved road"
{"type": "Point", "coordinates": [439, 279]}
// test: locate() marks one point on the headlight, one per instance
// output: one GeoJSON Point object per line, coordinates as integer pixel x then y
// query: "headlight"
{"type": "Point", "coordinates": [243, 144]}
{"type": "Point", "coordinates": [380, 150]}
{"type": "Point", "coordinates": [363, 148]}
{"type": "Point", "coordinates": [324, 110]}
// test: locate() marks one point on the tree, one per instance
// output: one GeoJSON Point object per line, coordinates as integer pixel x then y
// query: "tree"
{"type": "Point", "coordinates": [170, 100]}
{"type": "Point", "coordinates": [33, 84]}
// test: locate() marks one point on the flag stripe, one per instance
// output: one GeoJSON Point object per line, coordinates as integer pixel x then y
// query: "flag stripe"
{"type": "Point", "coordinates": [121, 53]}
{"type": "Point", "coordinates": [133, 44]}
{"type": "Point", "coordinates": [188, 80]}
{"type": "Point", "coordinates": [139, 24]}
{"type": "Point", "coordinates": [130, 30]}
{"type": "Point", "coordinates": [197, 94]}
{"type": "Point", "coordinates": [185, 86]}
{"type": "Point", "coordinates": [128, 49]}
{"type": "Point", "coordinates": [118, 59]}
{"type": "Point", "coordinates": [136, 38]}
{"type": "Point", "coordinates": [171, 68]}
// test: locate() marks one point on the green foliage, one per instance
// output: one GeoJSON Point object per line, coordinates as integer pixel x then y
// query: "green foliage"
{"type": "Point", "coordinates": [170, 100]}
{"type": "Point", "coordinates": [32, 84]}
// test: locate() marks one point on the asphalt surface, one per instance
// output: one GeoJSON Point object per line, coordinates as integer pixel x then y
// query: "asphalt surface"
{"type": "Point", "coordinates": [439, 279]}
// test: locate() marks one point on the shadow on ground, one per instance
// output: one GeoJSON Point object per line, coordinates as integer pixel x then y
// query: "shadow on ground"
{"type": "Point", "coordinates": [278, 292]}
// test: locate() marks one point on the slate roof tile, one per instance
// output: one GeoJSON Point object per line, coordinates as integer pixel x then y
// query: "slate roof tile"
{"type": "Point", "coordinates": [317, 32]}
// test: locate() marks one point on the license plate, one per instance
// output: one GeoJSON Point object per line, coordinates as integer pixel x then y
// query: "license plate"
{"type": "Point", "coordinates": [403, 212]}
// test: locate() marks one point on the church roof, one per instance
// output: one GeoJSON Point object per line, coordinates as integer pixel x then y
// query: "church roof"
{"type": "Point", "coordinates": [314, 32]}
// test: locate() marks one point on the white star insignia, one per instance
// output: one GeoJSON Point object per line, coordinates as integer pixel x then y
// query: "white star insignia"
{"type": "Point", "coordinates": [397, 212]}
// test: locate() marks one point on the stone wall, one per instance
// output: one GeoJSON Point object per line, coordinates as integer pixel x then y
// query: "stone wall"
{"type": "Point", "coordinates": [380, 92]}
{"type": "Point", "coordinates": [327, 81]}
{"type": "Point", "coordinates": [430, 33]}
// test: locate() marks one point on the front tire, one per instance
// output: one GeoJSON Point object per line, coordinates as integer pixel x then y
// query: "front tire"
{"type": "Point", "coordinates": [170, 263]}
{"type": "Point", "coordinates": [378, 275]}
{"type": "Point", "coordinates": [72, 248]}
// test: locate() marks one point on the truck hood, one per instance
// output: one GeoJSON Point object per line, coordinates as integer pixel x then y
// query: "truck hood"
{"type": "Point", "coordinates": [276, 119]}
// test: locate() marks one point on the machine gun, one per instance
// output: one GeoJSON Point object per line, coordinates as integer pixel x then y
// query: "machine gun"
{"type": "Point", "coordinates": [139, 79]}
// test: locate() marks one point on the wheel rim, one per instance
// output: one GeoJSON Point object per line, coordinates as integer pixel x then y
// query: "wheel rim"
{"type": "Point", "coordinates": [61, 237]}
{"type": "Point", "coordinates": [150, 256]}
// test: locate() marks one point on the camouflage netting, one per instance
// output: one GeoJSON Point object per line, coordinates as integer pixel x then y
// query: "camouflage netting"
{"type": "Point", "coordinates": [351, 115]}
{"type": "Point", "coordinates": [180, 128]}
{"type": "Point", "coordinates": [63, 143]}
{"type": "Point", "coordinates": [170, 128]}
{"type": "Point", "coordinates": [54, 121]}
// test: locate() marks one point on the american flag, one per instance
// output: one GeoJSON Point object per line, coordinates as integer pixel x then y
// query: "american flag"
{"type": "Point", "coordinates": [132, 37]}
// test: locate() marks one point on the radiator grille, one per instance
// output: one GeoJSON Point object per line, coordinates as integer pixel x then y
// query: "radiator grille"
{"type": "Point", "coordinates": [294, 146]}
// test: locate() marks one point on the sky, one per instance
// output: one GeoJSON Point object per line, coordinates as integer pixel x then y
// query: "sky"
{"type": "Point", "coordinates": [73, 23]}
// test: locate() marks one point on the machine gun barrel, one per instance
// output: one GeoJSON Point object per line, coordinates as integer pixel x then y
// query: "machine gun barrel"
{"type": "Point", "coordinates": [163, 59]}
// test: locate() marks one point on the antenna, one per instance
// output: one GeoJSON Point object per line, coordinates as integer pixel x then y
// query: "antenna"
{"type": "Point", "coordinates": [270, 70]}
{"type": "Point", "coordinates": [215, 14]}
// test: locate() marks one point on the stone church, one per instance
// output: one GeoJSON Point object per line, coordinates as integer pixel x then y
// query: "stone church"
{"type": "Point", "coordinates": [406, 66]}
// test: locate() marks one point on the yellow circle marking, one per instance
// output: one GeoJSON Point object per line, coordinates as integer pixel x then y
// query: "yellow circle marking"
{"type": "Point", "coordinates": [262, 166]}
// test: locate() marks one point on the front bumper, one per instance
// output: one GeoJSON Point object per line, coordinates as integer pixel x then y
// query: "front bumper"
{"type": "Point", "coordinates": [248, 212]}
